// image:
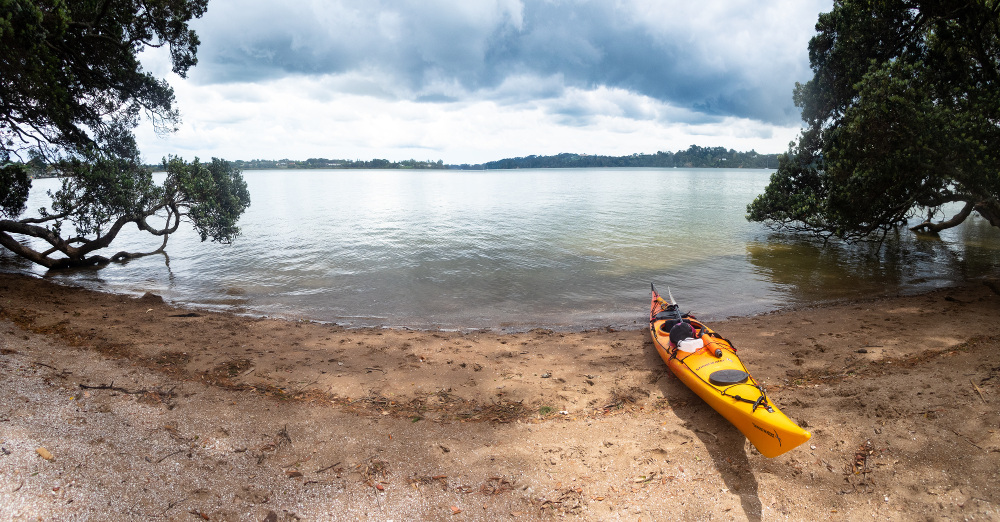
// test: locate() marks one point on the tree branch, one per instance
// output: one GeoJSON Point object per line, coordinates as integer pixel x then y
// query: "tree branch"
{"type": "Point", "coordinates": [957, 219]}
{"type": "Point", "coordinates": [50, 217]}
{"type": "Point", "coordinates": [125, 256]}
{"type": "Point", "coordinates": [172, 212]}
{"type": "Point", "coordinates": [16, 247]}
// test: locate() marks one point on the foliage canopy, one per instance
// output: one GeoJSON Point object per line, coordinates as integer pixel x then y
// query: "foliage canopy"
{"type": "Point", "coordinates": [72, 89]}
{"type": "Point", "coordinates": [902, 117]}
{"type": "Point", "coordinates": [70, 77]}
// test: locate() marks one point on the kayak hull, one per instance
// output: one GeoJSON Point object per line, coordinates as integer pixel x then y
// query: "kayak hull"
{"type": "Point", "coordinates": [714, 373]}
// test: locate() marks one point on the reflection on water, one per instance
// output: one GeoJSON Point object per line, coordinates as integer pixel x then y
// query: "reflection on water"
{"type": "Point", "coordinates": [808, 271]}
{"type": "Point", "coordinates": [570, 248]}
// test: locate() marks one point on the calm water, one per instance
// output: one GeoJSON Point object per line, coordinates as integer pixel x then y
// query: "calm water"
{"type": "Point", "coordinates": [516, 249]}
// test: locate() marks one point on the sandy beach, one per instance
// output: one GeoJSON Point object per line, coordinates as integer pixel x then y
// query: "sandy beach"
{"type": "Point", "coordinates": [122, 408]}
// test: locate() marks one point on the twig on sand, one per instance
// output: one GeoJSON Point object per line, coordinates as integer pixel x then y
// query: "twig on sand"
{"type": "Point", "coordinates": [967, 439]}
{"type": "Point", "coordinates": [171, 505]}
{"type": "Point", "coordinates": [304, 386]}
{"type": "Point", "coordinates": [112, 387]}
{"type": "Point", "coordinates": [160, 396]}
{"type": "Point", "coordinates": [331, 466]}
{"type": "Point", "coordinates": [161, 459]}
{"type": "Point", "coordinates": [980, 392]}
{"type": "Point", "coordinates": [714, 436]}
{"type": "Point", "coordinates": [283, 437]}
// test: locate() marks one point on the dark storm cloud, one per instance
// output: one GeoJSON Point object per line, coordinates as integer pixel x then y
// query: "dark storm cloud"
{"type": "Point", "coordinates": [444, 51]}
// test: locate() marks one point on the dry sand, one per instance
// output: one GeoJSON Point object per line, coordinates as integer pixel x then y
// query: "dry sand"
{"type": "Point", "coordinates": [119, 408]}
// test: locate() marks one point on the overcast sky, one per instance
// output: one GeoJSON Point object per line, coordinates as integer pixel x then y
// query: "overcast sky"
{"type": "Point", "coordinates": [469, 81]}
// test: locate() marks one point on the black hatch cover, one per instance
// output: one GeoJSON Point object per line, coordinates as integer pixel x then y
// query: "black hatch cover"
{"type": "Point", "coordinates": [726, 377]}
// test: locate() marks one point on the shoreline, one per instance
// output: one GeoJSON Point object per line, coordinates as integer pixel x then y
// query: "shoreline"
{"type": "Point", "coordinates": [638, 324]}
{"type": "Point", "coordinates": [208, 414]}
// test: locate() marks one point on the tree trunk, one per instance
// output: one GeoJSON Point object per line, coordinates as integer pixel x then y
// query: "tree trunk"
{"type": "Point", "coordinates": [989, 210]}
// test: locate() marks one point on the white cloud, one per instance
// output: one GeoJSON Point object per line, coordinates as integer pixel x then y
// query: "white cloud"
{"type": "Point", "coordinates": [298, 118]}
{"type": "Point", "coordinates": [478, 81]}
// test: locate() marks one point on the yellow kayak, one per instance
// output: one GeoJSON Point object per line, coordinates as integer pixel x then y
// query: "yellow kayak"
{"type": "Point", "coordinates": [707, 363]}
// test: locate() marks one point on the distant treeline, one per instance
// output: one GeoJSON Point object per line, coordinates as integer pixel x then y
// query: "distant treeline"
{"type": "Point", "coordinates": [323, 163]}
{"type": "Point", "coordinates": [693, 157]}
{"type": "Point", "coordinates": [37, 169]}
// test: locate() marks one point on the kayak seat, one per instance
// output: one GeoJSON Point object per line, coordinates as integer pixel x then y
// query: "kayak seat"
{"type": "Point", "coordinates": [667, 325]}
{"type": "Point", "coordinates": [727, 377]}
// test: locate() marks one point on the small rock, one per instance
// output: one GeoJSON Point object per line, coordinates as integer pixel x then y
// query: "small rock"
{"type": "Point", "coordinates": [149, 297]}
